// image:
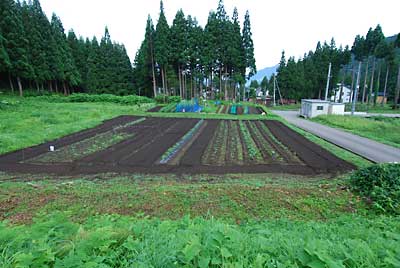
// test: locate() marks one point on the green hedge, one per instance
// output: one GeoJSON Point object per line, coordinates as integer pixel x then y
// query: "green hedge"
{"type": "Point", "coordinates": [83, 97]}
{"type": "Point", "coordinates": [167, 99]}
{"type": "Point", "coordinates": [379, 184]}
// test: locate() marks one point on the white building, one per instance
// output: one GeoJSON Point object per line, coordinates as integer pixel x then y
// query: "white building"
{"type": "Point", "coordinates": [312, 108]}
{"type": "Point", "coordinates": [346, 95]}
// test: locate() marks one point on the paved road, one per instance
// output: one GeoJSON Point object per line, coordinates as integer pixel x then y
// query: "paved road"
{"type": "Point", "coordinates": [372, 150]}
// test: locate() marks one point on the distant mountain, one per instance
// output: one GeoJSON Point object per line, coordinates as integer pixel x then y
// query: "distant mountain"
{"type": "Point", "coordinates": [268, 72]}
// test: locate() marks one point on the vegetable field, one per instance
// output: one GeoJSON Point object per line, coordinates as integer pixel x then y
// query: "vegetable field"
{"type": "Point", "coordinates": [170, 145]}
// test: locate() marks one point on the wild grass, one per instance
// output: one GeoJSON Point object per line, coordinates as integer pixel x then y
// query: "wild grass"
{"type": "Point", "coordinates": [382, 129]}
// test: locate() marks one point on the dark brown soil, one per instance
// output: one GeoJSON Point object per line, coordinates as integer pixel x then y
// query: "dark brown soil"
{"type": "Point", "coordinates": [154, 136]}
{"type": "Point", "coordinates": [255, 110]}
{"type": "Point", "coordinates": [154, 109]}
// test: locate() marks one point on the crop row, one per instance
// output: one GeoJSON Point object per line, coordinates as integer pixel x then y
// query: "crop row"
{"type": "Point", "coordinates": [88, 146]}
{"type": "Point", "coordinates": [235, 145]}
{"type": "Point", "coordinates": [292, 155]}
{"type": "Point", "coordinates": [252, 150]}
{"type": "Point", "coordinates": [216, 149]}
{"type": "Point", "coordinates": [264, 145]}
{"type": "Point", "coordinates": [174, 150]}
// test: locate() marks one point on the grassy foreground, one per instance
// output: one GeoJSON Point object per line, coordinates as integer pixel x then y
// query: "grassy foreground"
{"type": "Point", "coordinates": [115, 241]}
{"type": "Point", "coordinates": [382, 129]}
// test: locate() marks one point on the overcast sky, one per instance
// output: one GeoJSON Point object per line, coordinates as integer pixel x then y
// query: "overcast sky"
{"type": "Point", "coordinates": [291, 25]}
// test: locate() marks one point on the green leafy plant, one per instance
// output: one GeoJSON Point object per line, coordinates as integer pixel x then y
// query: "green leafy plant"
{"type": "Point", "coordinates": [380, 184]}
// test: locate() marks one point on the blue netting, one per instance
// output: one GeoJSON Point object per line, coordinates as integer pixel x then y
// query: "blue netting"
{"type": "Point", "coordinates": [188, 107]}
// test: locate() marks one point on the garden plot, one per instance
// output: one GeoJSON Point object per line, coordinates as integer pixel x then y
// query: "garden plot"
{"type": "Point", "coordinates": [169, 145]}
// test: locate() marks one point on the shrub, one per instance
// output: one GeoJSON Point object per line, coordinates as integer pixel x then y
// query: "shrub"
{"type": "Point", "coordinates": [380, 184]}
{"type": "Point", "coordinates": [130, 99]}
{"type": "Point", "coordinates": [167, 99]}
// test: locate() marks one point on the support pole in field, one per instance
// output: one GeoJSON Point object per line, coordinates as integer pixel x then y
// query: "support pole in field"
{"type": "Point", "coordinates": [274, 91]}
{"type": "Point", "coordinates": [327, 81]}
{"type": "Point", "coordinates": [353, 107]}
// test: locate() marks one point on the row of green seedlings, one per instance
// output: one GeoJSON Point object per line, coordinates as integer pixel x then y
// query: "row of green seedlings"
{"type": "Point", "coordinates": [173, 151]}
{"type": "Point", "coordinates": [215, 152]}
{"type": "Point", "coordinates": [86, 147]}
{"type": "Point", "coordinates": [291, 154]}
{"type": "Point", "coordinates": [236, 149]}
{"type": "Point", "coordinates": [168, 108]}
{"type": "Point", "coordinates": [266, 147]}
{"type": "Point", "coordinates": [252, 150]}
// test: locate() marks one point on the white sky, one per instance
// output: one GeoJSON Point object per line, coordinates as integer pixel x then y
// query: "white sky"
{"type": "Point", "coordinates": [293, 25]}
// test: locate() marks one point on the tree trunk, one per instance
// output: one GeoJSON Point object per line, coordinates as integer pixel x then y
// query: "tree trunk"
{"type": "Point", "coordinates": [212, 85]}
{"type": "Point", "coordinates": [153, 73]}
{"type": "Point", "coordinates": [220, 80]}
{"type": "Point", "coordinates": [11, 82]}
{"type": "Point", "coordinates": [64, 88]}
{"type": "Point", "coordinates": [226, 86]}
{"type": "Point", "coordinates": [396, 97]}
{"type": "Point", "coordinates": [37, 86]}
{"type": "Point", "coordinates": [384, 89]}
{"type": "Point", "coordinates": [56, 83]}
{"type": "Point", "coordinates": [372, 83]}
{"type": "Point", "coordinates": [191, 86]}
{"type": "Point", "coordinates": [162, 79]}
{"type": "Point", "coordinates": [201, 87]}
{"type": "Point", "coordinates": [166, 83]}
{"type": "Point", "coordinates": [378, 82]}
{"type": "Point", "coordinates": [180, 81]}
{"type": "Point", "coordinates": [21, 94]}
{"type": "Point", "coordinates": [365, 82]}
{"type": "Point", "coordinates": [50, 86]}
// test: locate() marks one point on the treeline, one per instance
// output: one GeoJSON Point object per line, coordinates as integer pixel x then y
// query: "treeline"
{"type": "Point", "coordinates": [307, 77]}
{"type": "Point", "coordinates": [186, 59]}
{"type": "Point", "coordinates": [36, 53]}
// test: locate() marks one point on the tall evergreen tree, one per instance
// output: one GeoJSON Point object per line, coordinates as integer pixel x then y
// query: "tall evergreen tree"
{"type": "Point", "coordinates": [15, 42]}
{"type": "Point", "coordinates": [248, 46]}
{"type": "Point", "coordinates": [161, 45]}
{"type": "Point", "coordinates": [4, 59]}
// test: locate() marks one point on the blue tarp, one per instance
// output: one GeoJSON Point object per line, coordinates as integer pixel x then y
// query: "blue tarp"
{"type": "Point", "coordinates": [188, 107]}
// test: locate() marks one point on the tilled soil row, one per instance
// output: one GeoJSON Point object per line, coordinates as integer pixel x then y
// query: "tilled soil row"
{"type": "Point", "coordinates": [313, 155]}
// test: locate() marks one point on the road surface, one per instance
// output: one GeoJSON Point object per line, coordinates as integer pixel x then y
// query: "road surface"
{"type": "Point", "coordinates": [369, 149]}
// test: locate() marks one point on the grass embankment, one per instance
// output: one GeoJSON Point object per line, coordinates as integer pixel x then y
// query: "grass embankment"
{"type": "Point", "coordinates": [382, 129]}
{"type": "Point", "coordinates": [29, 121]}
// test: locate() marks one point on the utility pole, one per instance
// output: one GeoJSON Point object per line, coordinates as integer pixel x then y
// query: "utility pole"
{"type": "Point", "coordinates": [274, 91]}
{"type": "Point", "coordinates": [327, 82]}
{"type": "Point", "coordinates": [353, 108]}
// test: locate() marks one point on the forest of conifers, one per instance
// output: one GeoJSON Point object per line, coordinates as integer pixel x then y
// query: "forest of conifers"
{"type": "Point", "coordinates": [380, 62]}
{"type": "Point", "coordinates": [37, 54]}
{"type": "Point", "coordinates": [182, 59]}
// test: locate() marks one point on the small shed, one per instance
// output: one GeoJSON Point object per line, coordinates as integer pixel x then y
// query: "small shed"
{"type": "Point", "coordinates": [312, 108]}
{"type": "Point", "coordinates": [336, 108]}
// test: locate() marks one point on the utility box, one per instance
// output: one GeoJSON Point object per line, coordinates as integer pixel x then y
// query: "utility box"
{"type": "Point", "coordinates": [312, 108]}
{"type": "Point", "coordinates": [336, 108]}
